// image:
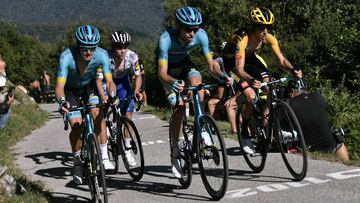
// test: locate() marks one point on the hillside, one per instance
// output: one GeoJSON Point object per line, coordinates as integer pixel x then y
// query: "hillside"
{"type": "Point", "coordinates": [45, 19]}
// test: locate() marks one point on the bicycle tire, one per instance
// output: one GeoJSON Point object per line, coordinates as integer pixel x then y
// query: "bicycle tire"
{"type": "Point", "coordinates": [127, 125]}
{"type": "Point", "coordinates": [211, 155]}
{"type": "Point", "coordinates": [257, 161]}
{"type": "Point", "coordinates": [113, 150]}
{"type": "Point", "coordinates": [185, 156]}
{"type": "Point", "coordinates": [96, 171]}
{"type": "Point", "coordinates": [291, 147]}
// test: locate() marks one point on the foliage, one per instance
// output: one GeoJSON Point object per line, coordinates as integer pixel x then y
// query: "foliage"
{"type": "Point", "coordinates": [344, 113]}
{"type": "Point", "coordinates": [26, 57]}
{"type": "Point", "coordinates": [25, 117]}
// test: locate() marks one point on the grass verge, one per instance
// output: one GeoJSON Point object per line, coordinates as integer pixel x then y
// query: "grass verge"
{"type": "Point", "coordinates": [23, 119]}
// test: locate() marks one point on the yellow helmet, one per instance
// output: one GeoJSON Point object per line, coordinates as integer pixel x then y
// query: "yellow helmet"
{"type": "Point", "coordinates": [262, 16]}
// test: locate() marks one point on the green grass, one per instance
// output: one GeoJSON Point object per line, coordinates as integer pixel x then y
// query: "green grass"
{"type": "Point", "coordinates": [224, 126]}
{"type": "Point", "coordinates": [23, 119]}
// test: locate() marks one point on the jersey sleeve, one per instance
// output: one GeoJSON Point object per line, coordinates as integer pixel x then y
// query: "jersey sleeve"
{"type": "Point", "coordinates": [273, 42]}
{"type": "Point", "coordinates": [204, 43]}
{"type": "Point", "coordinates": [241, 47]}
{"type": "Point", "coordinates": [163, 48]}
{"type": "Point", "coordinates": [105, 66]}
{"type": "Point", "coordinates": [135, 63]}
{"type": "Point", "coordinates": [62, 70]}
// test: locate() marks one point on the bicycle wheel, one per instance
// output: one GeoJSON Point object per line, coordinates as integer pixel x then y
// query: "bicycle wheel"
{"type": "Point", "coordinates": [95, 171]}
{"type": "Point", "coordinates": [133, 149]}
{"type": "Point", "coordinates": [291, 140]}
{"type": "Point", "coordinates": [212, 159]}
{"type": "Point", "coordinates": [113, 149]}
{"type": "Point", "coordinates": [257, 160]}
{"type": "Point", "coordinates": [185, 156]}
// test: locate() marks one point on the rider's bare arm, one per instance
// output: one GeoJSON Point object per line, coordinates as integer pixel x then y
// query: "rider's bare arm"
{"type": "Point", "coordinates": [162, 72]}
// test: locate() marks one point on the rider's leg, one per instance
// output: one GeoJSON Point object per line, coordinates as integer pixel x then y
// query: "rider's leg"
{"type": "Point", "coordinates": [76, 145]}
{"type": "Point", "coordinates": [75, 134]}
{"type": "Point", "coordinates": [231, 115]}
{"type": "Point", "coordinates": [213, 102]}
{"type": "Point", "coordinates": [175, 131]}
{"type": "Point", "coordinates": [248, 110]}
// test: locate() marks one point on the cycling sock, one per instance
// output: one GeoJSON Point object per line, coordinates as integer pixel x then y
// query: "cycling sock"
{"type": "Point", "coordinates": [103, 149]}
{"type": "Point", "coordinates": [127, 142]}
{"type": "Point", "coordinates": [187, 112]}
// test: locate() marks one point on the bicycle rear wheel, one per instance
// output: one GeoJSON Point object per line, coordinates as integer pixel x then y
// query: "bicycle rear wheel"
{"type": "Point", "coordinates": [257, 160]}
{"type": "Point", "coordinates": [95, 171]}
{"type": "Point", "coordinates": [128, 130]}
{"type": "Point", "coordinates": [213, 163]}
{"type": "Point", "coordinates": [291, 140]}
{"type": "Point", "coordinates": [113, 149]}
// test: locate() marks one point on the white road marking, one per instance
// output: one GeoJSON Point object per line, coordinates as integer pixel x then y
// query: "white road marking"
{"type": "Point", "coordinates": [143, 118]}
{"type": "Point", "coordinates": [345, 174]}
{"type": "Point", "coordinates": [159, 141]}
{"type": "Point", "coordinates": [238, 193]}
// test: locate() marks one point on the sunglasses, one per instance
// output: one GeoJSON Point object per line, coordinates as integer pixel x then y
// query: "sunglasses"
{"type": "Point", "coordinates": [263, 27]}
{"type": "Point", "coordinates": [193, 29]}
{"type": "Point", "coordinates": [119, 47]}
{"type": "Point", "coordinates": [86, 49]}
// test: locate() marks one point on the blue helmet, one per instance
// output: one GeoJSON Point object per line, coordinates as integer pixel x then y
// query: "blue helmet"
{"type": "Point", "coordinates": [188, 17]}
{"type": "Point", "coordinates": [87, 35]}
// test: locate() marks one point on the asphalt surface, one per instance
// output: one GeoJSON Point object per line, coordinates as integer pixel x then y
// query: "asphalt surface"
{"type": "Point", "coordinates": [46, 155]}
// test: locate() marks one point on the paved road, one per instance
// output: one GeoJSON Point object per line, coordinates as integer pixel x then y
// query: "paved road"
{"type": "Point", "coordinates": [45, 155]}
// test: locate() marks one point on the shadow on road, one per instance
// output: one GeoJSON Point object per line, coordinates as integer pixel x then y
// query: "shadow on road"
{"type": "Point", "coordinates": [64, 157]}
{"type": "Point", "coordinates": [154, 188]}
{"type": "Point", "coordinates": [65, 198]}
{"type": "Point", "coordinates": [234, 151]}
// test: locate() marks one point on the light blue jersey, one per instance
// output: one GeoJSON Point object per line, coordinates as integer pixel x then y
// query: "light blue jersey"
{"type": "Point", "coordinates": [173, 51]}
{"type": "Point", "coordinates": [69, 74]}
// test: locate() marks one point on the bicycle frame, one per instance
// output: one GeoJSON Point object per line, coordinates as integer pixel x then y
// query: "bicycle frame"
{"type": "Point", "coordinates": [198, 111]}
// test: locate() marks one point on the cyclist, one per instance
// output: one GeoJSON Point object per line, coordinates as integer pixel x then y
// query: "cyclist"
{"type": "Point", "coordinates": [175, 66]}
{"type": "Point", "coordinates": [76, 80]}
{"type": "Point", "coordinates": [45, 86]}
{"type": "Point", "coordinates": [142, 89]}
{"type": "Point", "coordinates": [241, 52]}
{"type": "Point", "coordinates": [122, 61]}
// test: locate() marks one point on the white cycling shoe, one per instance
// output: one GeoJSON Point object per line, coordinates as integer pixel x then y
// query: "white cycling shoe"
{"type": "Point", "coordinates": [130, 158]}
{"type": "Point", "coordinates": [248, 146]}
{"type": "Point", "coordinates": [107, 164]}
{"type": "Point", "coordinates": [206, 137]}
{"type": "Point", "coordinates": [176, 168]}
{"type": "Point", "coordinates": [77, 171]}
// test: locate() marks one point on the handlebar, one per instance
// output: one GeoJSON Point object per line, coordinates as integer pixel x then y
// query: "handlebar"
{"type": "Point", "coordinates": [199, 87]}
{"type": "Point", "coordinates": [86, 107]}
{"type": "Point", "coordinates": [272, 83]}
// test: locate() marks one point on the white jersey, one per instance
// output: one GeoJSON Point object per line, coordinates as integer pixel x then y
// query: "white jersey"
{"type": "Point", "coordinates": [130, 62]}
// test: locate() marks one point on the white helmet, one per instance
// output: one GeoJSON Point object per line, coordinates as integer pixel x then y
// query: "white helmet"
{"type": "Point", "coordinates": [2, 81]}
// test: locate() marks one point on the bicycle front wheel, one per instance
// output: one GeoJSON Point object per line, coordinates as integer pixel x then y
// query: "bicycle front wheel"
{"type": "Point", "coordinates": [212, 158]}
{"type": "Point", "coordinates": [185, 155]}
{"type": "Point", "coordinates": [256, 133]}
{"type": "Point", "coordinates": [95, 171]}
{"type": "Point", "coordinates": [131, 148]}
{"type": "Point", "coordinates": [291, 140]}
